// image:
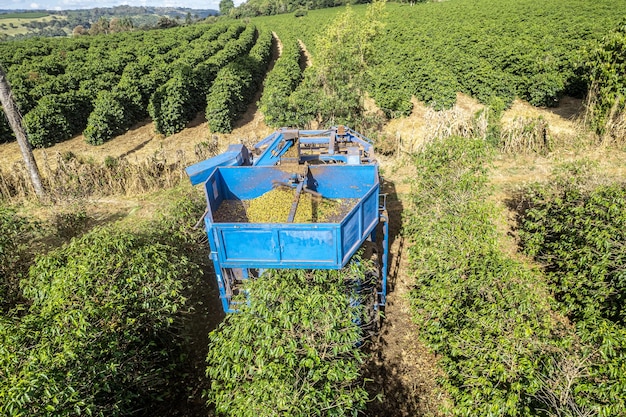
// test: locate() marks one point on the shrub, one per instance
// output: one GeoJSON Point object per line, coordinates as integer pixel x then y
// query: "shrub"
{"type": "Point", "coordinates": [280, 83]}
{"type": "Point", "coordinates": [15, 234]}
{"type": "Point", "coordinates": [46, 124]}
{"type": "Point", "coordinates": [489, 317]}
{"type": "Point", "coordinates": [291, 350]}
{"type": "Point", "coordinates": [56, 118]}
{"type": "Point", "coordinates": [100, 329]}
{"type": "Point", "coordinates": [107, 120]}
{"type": "Point", "coordinates": [175, 103]}
{"type": "Point", "coordinates": [584, 260]}
{"type": "Point", "coordinates": [178, 101]}
{"type": "Point", "coordinates": [230, 94]}
{"type": "Point", "coordinates": [606, 70]}
{"type": "Point", "coordinates": [70, 223]}
{"type": "Point", "coordinates": [575, 229]}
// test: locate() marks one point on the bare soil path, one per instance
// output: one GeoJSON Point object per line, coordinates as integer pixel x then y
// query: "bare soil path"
{"type": "Point", "coordinates": [402, 370]}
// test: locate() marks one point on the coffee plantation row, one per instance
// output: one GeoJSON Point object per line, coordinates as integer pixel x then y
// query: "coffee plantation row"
{"type": "Point", "coordinates": [100, 325]}
{"type": "Point", "coordinates": [95, 326]}
{"type": "Point", "coordinates": [516, 340]}
{"type": "Point", "coordinates": [574, 226]}
{"type": "Point", "coordinates": [104, 85]}
{"type": "Point", "coordinates": [491, 50]}
{"type": "Point", "coordinates": [280, 83]}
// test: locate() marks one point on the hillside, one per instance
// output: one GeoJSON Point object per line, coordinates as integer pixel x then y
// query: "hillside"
{"type": "Point", "coordinates": [501, 154]}
{"type": "Point", "coordinates": [24, 24]}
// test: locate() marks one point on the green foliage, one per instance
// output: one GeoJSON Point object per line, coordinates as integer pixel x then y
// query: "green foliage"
{"type": "Point", "coordinates": [178, 101]}
{"type": "Point", "coordinates": [253, 8]}
{"type": "Point", "coordinates": [484, 48]}
{"type": "Point", "coordinates": [279, 85]}
{"type": "Point", "coordinates": [261, 53]}
{"type": "Point", "coordinates": [578, 236]}
{"type": "Point", "coordinates": [45, 124]}
{"type": "Point", "coordinates": [226, 6]}
{"type": "Point", "coordinates": [606, 71]}
{"type": "Point", "coordinates": [137, 83]}
{"type": "Point", "coordinates": [99, 329]}
{"type": "Point", "coordinates": [605, 380]}
{"type": "Point", "coordinates": [15, 234]}
{"type": "Point", "coordinates": [489, 317]}
{"type": "Point", "coordinates": [107, 120]}
{"type": "Point", "coordinates": [6, 133]}
{"type": "Point", "coordinates": [235, 86]}
{"type": "Point", "coordinates": [519, 49]}
{"type": "Point", "coordinates": [333, 88]}
{"type": "Point", "coordinates": [575, 229]}
{"type": "Point", "coordinates": [176, 228]}
{"type": "Point", "coordinates": [300, 13]}
{"type": "Point", "coordinates": [70, 223]}
{"type": "Point", "coordinates": [57, 117]}
{"type": "Point", "coordinates": [23, 15]}
{"type": "Point", "coordinates": [291, 349]}
{"type": "Point", "coordinates": [228, 96]}
{"type": "Point", "coordinates": [174, 103]}
{"type": "Point", "coordinates": [61, 81]}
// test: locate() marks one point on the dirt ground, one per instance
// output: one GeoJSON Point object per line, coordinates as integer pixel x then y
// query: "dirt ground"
{"type": "Point", "coordinates": [402, 370]}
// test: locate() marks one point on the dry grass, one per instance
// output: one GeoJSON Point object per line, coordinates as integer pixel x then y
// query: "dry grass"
{"type": "Point", "coordinates": [525, 135]}
{"type": "Point", "coordinates": [564, 126]}
{"type": "Point", "coordinates": [455, 122]}
{"type": "Point", "coordinates": [568, 142]}
{"type": "Point", "coordinates": [136, 162]}
{"type": "Point", "coordinates": [615, 122]}
{"type": "Point", "coordinates": [67, 176]}
{"type": "Point", "coordinates": [616, 125]}
{"type": "Point", "coordinates": [423, 124]}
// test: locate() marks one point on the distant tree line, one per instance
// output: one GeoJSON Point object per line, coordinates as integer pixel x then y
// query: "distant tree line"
{"type": "Point", "coordinates": [108, 20]}
{"type": "Point", "coordinates": [253, 8]}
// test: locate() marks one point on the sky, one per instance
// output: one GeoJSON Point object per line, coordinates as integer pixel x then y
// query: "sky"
{"type": "Point", "coordinates": [88, 4]}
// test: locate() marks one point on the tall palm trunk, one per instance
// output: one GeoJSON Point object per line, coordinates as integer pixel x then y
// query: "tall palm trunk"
{"type": "Point", "coordinates": [15, 121]}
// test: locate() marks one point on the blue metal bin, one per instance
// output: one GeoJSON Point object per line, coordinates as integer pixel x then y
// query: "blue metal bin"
{"type": "Point", "coordinates": [292, 245]}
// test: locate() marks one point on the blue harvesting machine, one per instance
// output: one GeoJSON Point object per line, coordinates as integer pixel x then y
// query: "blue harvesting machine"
{"type": "Point", "coordinates": [320, 168]}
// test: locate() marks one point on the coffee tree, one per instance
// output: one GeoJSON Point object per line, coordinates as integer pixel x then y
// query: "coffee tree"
{"type": "Point", "coordinates": [292, 348]}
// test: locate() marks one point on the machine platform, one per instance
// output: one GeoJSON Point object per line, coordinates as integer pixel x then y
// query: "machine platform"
{"type": "Point", "coordinates": [332, 207]}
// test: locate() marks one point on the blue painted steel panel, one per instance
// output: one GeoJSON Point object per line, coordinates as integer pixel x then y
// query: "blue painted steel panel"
{"type": "Point", "coordinates": [292, 245]}
{"type": "Point", "coordinates": [351, 230]}
{"type": "Point", "coordinates": [236, 155]}
{"type": "Point", "coordinates": [253, 244]}
{"type": "Point", "coordinates": [277, 245]}
{"type": "Point", "coordinates": [309, 245]}
{"type": "Point", "coordinates": [245, 183]}
{"type": "Point", "coordinates": [343, 181]}
{"type": "Point", "coordinates": [370, 212]}
{"type": "Point", "coordinates": [278, 146]}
